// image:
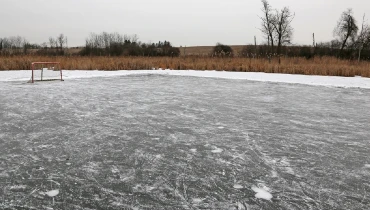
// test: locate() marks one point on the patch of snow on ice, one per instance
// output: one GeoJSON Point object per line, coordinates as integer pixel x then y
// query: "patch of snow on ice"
{"type": "Point", "coordinates": [367, 165]}
{"type": "Point", "coordinates": [217, 150]}
{"type": "Point", "coordinates": [331, 81]}
{"type": "Point", "coordinates": [262, 193]}
{"type": "Point", "coordinates": [158, 156]}
{"type": "Point", "coordinates": [193, 150]}
{"type": "Point", "coordinates": [52, 193]}
{"type": "Point", "coordinates": [18, 187]}
{"type": "Point", "coordinates": [45, 146]}
{"type": "Point", "coordinates": [238, 186]}
{"type": "Point", "coordinates": [197, 200]}
{"type": "Point", "coordinates": [149, 188]}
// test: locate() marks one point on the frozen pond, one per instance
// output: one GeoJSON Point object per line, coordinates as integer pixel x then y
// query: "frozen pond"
{"type": "Point", "coordinates": [175, 142]}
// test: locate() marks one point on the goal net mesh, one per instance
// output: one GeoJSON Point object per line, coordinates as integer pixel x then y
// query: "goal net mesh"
{"type": "Point", "coordinates": [46, 71]}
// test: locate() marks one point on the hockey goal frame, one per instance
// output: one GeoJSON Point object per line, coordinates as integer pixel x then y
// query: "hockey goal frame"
{"type": "Point", "coordinates": [46, 63]}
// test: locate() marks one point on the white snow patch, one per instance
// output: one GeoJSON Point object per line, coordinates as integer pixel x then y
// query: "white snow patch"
{"type": "Point", "coordinates": [45, 146]}
{"type": "Point", "coordinates": [262, 193]}
{"type": "Point", "coordinates": [367, 165]}
{"type": "Point", "coordinates": [52, 193]}
{"type": "Point", "coordinates": [193, 150]}
{"type": "Point", "coordinates": [217, 150]}
{"type": "Point", "coordinates": [238, 186]}
{"type": "Point", "coordinates": [197, 200]}
{"type": "Point", "coordinates": [331, 81]}
{"type": "Point", "coordinates": [18, 187]}
{"type": "Point", "coordinates": [149, 188]}
{"type": "Point", "coordinates": [158, 156]}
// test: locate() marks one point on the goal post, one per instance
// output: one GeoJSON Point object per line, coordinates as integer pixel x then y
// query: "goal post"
{"type": "Point", "coordinates": [46, 71]}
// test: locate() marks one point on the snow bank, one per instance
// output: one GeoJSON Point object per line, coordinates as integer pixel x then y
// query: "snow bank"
{"type": "Point", "coordinates": [330, 81]}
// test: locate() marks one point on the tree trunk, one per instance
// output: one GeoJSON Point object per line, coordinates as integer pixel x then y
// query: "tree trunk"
{"type": "Point", "coordinates": [344, 44]}
{"type": "Point", "coordinates": [359, 53]}
{"type": "Point", "coordinates": [272, 44]}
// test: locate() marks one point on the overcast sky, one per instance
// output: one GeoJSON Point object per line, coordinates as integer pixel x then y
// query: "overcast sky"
{"type": "Point", "coordinates": [183, 22]}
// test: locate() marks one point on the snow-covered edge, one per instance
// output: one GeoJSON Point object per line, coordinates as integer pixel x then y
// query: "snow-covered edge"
{"type": "Point", "coordinates": [329, 81]}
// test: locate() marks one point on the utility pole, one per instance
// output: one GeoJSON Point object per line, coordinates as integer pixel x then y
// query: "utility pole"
{"type": "Point", "coordinates": [255, 45]}
{"type": "Point", "coordinates": [314, 43]}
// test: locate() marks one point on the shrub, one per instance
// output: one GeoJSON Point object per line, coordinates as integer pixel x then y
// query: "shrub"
{"type": "Point", "coordinates": [221, 50]}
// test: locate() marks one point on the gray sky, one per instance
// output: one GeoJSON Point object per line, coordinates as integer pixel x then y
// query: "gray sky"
{"type": "Point", "coordinates": [183, 22]}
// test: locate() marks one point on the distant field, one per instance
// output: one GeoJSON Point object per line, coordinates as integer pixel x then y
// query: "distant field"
{"type": "Point", "coordinates": [205, 50]}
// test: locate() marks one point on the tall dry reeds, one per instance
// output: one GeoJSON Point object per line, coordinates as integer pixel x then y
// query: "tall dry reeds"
{"type": "Point", "coordinates": [328, 66]}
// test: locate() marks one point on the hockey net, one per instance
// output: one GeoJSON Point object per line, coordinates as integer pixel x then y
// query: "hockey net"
{"type": "Point", "coordinates": [46, 71]}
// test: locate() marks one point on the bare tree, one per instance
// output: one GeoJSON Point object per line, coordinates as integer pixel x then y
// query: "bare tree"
{"type": "Point", "coordinates": [346, 28]}
{"type": "Point", "coordinates": [134, 38]}
{"type": "Point", "coordinates": [61, 40]}
{"type": "Point", "coordinates": [363, 37]}
{"type": "Point", "coordinates": [52, 42]}
{"type": "Point", "coordinates": [282, 27]}
{"type": "Point", "coordinates": [267, 26]}
{"type": "Point", "coordinates": [18, 40]}
{"type": "Point", "coordinates": [44, 45]}
{"type": "Point", "coordinates": [26, 46]}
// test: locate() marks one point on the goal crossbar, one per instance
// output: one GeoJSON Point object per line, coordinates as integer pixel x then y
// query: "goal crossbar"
{"type": "Point", "coordinates": [57, 77]}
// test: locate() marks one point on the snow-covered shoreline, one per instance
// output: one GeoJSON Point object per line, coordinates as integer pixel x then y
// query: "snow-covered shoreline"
{"type": "Point", "coordinates": [329, 81]}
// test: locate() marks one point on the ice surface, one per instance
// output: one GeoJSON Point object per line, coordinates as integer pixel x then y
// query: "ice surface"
{"type": "Point", "coordinates": [122, 142]}
{"type": "Point", "coordinates": [330, 81]}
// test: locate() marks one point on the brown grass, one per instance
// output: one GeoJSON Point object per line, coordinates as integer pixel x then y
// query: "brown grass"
{"type": "Point", "coordinates": [318, 66]}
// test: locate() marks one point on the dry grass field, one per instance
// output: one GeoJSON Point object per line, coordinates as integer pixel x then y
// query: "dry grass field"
{"type": "Point", "coordinates": [327, 66]}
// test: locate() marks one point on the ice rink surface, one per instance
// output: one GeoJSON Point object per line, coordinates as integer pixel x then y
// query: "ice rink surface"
{"type": "Point", "coordinates": [176, 142]}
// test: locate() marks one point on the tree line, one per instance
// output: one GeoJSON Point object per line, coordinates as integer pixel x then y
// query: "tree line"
{"type": "Point", "coordinates": [351, 41]}
{"type": "Point", "coordinates": [114, 44]}
{"type": "Point", "coordinates": [104, 44]}
{"type": "Point", "coordinates": [16, 45]}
